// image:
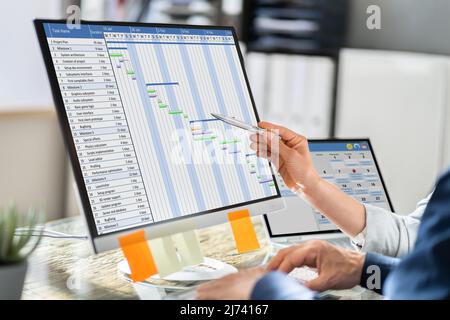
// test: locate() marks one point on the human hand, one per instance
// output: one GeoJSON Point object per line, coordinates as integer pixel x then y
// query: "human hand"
{"type": "Point", "coordinates": [290, 155]}
{"type": "Point", "coordinates": [236, 286]}
{"type": "Point", "coordinates": [337, 268]}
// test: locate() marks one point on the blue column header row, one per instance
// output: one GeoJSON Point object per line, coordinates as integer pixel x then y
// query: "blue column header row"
{"type": "Point", "coordinates": [61, 30]}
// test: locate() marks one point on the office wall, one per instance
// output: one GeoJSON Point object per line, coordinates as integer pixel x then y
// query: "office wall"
{"type": "Point", "coordinates": [32, 159]}
{"type": "Point", "coordinates": [23, 80]}
{"type": "Point", "coordinates": [32, 162]}
{"type": "Point", "coordinates": [407, 25]}
{"type": "Point", "coordinates": [446, 137]}
{"type": "Point", "coordinates": [293, 90]}
{"type": "Point", "coordinates": [400, 101]}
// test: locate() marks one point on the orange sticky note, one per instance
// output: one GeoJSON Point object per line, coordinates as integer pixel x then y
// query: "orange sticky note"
{"type": "Point", "coordinates": [138, 254]}
{"type": "Point", "coordinates": [243, 231]}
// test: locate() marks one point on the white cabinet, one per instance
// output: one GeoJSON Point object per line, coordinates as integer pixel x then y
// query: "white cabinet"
{"type": "Point", "coordinates": [293, 90]}
{"type": "Point", "coordinates": [400, 101]}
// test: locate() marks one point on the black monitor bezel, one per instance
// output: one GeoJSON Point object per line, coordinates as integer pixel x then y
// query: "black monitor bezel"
{"type": "Point", "coordinates": [67, 134]}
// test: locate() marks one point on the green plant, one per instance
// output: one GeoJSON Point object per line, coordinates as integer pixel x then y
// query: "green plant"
{"type": "Point", "coordinates": [16, 247]}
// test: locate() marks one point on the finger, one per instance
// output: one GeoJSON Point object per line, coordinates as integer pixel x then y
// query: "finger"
{"type": "Point", "coordinates": [283, 132]}
{"type": "Point", "coordinates": [263, 140]}
{"type": "Point", "coordinates": [279, 165]}
{"type": "Point", "coordinates": [258, 145]}
{"type": "Point", "coordinates": [261, 151]}
{"type": "Point", "coordinates": [210, 290]}
{"type": "Point", "coordinates": [264, 154]}
{"type": "Point", "coordinates": [276, 261]}
{"type": "Point", "coordinates": [290, 138]}
{"type": "Point", "coordinates": [264, 147]}
{"type": "Point", "coordinates": [202, 294]}
{"type": "Point", "coordinates": [321, 283]}
{"type": "Point", "coordinates": [287, 265]}
{"type": "Point", "coordinates": [287, 178]}
{"type": "Point", "coordinates": [303, 256]}
{"type": "Point", "coordinates": [274, 144]}
{"type": "Point", "coordinates": [213, 294]}
{"type": "Point", "coordinates": [208, 286]}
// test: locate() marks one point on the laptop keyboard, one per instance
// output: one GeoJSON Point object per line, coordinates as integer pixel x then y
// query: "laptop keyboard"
{"type": "Point", "coordinates": [303, 274]}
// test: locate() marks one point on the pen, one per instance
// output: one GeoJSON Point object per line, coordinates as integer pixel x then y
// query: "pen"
{"type": "Point", "coordinates": [238, 123]}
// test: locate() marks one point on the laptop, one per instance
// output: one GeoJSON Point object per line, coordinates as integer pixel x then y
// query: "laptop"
{"type": "Point", "coordinates": [351, 165]}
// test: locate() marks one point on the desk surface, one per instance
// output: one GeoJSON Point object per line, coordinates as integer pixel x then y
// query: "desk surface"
{"type": "Point", "coordinates": [67, 269]}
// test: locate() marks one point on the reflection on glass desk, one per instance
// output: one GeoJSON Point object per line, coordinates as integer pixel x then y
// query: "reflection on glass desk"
{"type": "Point", "coordinates": [67, 269]}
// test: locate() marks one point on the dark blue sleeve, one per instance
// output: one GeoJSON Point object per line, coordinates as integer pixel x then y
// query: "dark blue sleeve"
{"type": "Point", "coordinates": [277, 286]}
{"type": "Point", "coordinates": [425, 272]}
{"type": "Point", "coordinates": [375, 271]}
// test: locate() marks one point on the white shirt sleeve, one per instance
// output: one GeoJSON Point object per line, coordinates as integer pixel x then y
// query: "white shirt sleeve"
{"type": "Point", "coordinates": [389, 233]}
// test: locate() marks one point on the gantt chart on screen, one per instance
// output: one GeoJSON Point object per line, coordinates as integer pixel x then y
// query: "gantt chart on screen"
{"type": "Point", "coordinates": [138, 101]}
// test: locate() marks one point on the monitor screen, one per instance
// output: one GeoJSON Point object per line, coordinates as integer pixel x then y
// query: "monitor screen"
{"type": "Point", "coordinates": [138, 103]}
{"type": "Point", "coordinates": [350, 165]}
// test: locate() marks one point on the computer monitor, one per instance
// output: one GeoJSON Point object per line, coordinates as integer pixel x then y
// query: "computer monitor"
{"type": "Point", "coordinates": [134, 102]}
{"type": "Point", "coordinates": [351, 165]}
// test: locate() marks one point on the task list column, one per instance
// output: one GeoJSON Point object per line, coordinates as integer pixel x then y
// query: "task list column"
{"type": "Point", "coordinates": [101, 133]}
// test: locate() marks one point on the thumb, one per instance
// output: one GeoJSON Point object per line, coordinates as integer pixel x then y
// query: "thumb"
{"type": "Point", "coordinates": [319, 284]}
{"type": "Point", "coordinates": [283, 132]}
{"type": "Point", "coordinates": [290, 138]}
{"type": "Point", "coordinates": [275, 145]}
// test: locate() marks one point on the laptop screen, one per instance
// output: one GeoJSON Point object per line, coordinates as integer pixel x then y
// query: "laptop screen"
{"type": "Point", "coordinates": [350, 165]}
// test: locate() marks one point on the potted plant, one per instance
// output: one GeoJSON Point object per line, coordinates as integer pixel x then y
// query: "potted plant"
{"type": "Point", "coordinates": [15, 247]}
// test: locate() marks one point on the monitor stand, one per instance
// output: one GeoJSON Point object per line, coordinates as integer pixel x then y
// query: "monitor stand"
{"type": "Point", "coordinates": [210, 269]}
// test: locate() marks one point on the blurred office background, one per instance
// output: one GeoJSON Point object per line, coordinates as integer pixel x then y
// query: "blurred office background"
{"type": "Point", "coordinates": [313, 66]}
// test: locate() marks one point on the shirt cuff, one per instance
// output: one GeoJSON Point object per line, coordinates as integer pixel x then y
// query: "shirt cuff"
{"type": "Point", "coordinates": [381, 232]}
{"type": "Point", "coordinates": [278, 286]}
{"type": "Point", "coordinates": [375, 270]}
{"type": "Point", "coordinates": [360, 239]}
